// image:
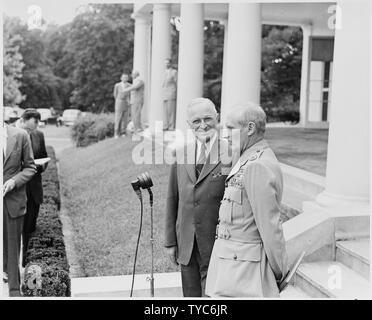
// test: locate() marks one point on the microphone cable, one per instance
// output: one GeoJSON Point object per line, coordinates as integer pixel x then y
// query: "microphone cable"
{"type": "Point", "coordinates": [139, 194]}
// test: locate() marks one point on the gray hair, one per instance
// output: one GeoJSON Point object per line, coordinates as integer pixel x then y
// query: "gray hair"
{"type": "Point", "coordinates": [250, 112]}
{"type": "Point", "coordinates": [204, 101]}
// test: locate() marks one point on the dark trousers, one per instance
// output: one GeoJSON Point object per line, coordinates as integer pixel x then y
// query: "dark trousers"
{"type": "Point", "coordinates": [29, 225]}
{"type": "Point", "coordinates": [12, 231]}
{"type": "Point", "coordinates": [194, 275]}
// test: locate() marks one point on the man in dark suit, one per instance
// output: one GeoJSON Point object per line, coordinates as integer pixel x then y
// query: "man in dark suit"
{"type": "Point", "coordinates": [196, 187]}
{"type": "Point", "coordinates": [34, 188]}
{"type": "Point", "coordinates": [18, 169]}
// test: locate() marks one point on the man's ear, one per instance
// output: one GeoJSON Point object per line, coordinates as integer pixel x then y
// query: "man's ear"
{"type": "Point", "coordinates": [251, 128]}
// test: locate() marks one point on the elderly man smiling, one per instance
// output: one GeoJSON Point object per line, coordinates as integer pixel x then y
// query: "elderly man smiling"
{"type": "Point", "coordinates": [195, 190]}
{"type": "Point", "coordinates": [249, 257]}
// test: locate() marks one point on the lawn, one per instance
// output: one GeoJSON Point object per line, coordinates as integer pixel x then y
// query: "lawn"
{"type": "Point", "coordinates": [104, 210]}
{"type": "Point", "coordinates": [302, 148]}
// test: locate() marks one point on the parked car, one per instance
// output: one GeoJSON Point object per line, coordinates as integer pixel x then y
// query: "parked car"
{"type": "Point", "coordinates": [68, 117]}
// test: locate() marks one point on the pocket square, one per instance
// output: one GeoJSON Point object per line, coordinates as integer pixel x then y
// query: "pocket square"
{"type": "Point", "coordinates": [216, 175]}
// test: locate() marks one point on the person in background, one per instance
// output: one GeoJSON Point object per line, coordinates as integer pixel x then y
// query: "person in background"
{"type": "Point", "coordinates": [137, 98]}
{"type": "Point", "coordinates": [18, 168]}
{"type": "Point", "coordinates": [34, 188]}
{"type": "Point", "coordinates": [169, 96]}
{"type": "Point", "coordinates": [121, 106]}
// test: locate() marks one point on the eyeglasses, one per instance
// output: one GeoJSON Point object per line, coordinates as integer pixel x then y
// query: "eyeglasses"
{"type": "Point", "coordinates": [197, 122]}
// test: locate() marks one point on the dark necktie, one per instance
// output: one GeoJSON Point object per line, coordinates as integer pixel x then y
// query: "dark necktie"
{"type": "Point", "coordinates": [202, 160]}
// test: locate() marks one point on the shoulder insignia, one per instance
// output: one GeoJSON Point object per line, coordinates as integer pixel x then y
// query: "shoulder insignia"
{"type": "Point", "coordinates": [253, 157]}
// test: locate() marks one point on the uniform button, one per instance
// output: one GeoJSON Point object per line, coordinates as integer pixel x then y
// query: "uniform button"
{"type": "Point", "coordinates": [235, 257]}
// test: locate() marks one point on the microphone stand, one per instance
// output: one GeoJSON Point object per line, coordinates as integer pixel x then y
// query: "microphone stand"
{"type": "Point", "coordinates": [151, 278]}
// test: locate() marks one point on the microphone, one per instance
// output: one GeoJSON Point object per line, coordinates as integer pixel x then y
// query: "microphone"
{"type": "Point", "coordinates": [143, 181]}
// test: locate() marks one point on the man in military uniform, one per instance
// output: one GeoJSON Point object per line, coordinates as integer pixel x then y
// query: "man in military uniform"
{"type": "Point", "coordinates": [249, 257]}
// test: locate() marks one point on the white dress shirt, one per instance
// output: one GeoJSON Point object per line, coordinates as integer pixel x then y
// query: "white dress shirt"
{"type": "Point", "coordinates": [5, 138]}
{"type": "Point", "coordinates": [208, 146]}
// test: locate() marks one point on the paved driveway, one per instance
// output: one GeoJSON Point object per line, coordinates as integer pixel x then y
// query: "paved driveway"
{"type": "Point", "coordinates": [57, 137]}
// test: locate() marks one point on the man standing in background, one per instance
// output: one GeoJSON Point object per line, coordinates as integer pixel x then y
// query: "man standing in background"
{"type": "Point", "coordinates": [137, 90]}
{"type": "Point", "coordinates": [34, 188]}
{"type": "Point", "coordinates": [169, 96]}
{"type": "Point", "coordinates": [121, 106]}
{"type": "Point", "coordinates": [18, 169]}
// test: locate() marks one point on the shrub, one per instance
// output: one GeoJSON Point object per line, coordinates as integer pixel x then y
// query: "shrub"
{"type": "Point", "coordinates": [47, 268]}
{"type": "Point", "coordinates": [92, 128]}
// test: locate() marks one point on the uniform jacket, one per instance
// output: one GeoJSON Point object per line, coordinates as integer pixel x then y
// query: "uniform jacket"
{"type": "Point", "coordinates": [170, 84]}
{"type": "Point", "coordinates": [249, 256]}
{"type": "Point", "coordinates": [18, 165]}
{"type": "Point", "coordinates": [34, 187]}
{"type": "Point", "coordinates": [192, 204]}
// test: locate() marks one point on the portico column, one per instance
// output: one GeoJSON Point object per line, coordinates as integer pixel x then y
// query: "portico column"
{"type": "Point", "coordinates": [348, 158]}
{"type": "Point", "coordinates": [190, 59]}
{"type": "Point", "coordinates": [243, 63]}
{"type": "Point", "coordinates": [161, 49]}
{"type": "Point", "coordinates": [304, 105]}
{"type": "Point", "coordinates": [224, 71]}
{"type": "Point", "coordinates": [141, 56]}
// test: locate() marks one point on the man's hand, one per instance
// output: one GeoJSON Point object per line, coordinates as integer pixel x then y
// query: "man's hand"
{"type": "Point", "coordinates": [173, 253]}
{"type": "Point", "coordinates": [8, 186]}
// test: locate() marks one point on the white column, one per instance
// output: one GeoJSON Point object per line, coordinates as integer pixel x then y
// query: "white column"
{"type": "Point", "coordinates": [190, 59]}
{"type": "Point", "coordinates": [141, 56]}
{"type": "Point", "coordinates": [348, 162]}
{"type": "Point", "coordinates": [224, 72]}
{"type": "Point", "coordinates": [243, 65]}
{"type": "Point", "coordinates": [304, 103]}
{"type": "Point", "coordinates": [161, 49]}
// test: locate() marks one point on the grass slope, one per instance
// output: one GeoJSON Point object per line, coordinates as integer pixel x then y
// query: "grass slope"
{"type": "Point", "coordinates": [95, 183]}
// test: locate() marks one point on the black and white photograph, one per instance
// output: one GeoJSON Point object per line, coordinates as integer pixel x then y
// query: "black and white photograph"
{"type": "Point", "coordinates": [186, 150]}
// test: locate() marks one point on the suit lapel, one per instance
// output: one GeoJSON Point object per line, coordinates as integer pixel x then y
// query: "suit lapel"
{"type": "Point", "coordinates": [10, 143]}
{"type": "Point", "coordinates": [189, 160]}
{"type": "Point", "coordinates": [213, 160]}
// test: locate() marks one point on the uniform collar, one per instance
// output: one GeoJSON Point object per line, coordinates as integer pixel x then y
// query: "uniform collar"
{"type": "Point", "coordinates": [258, 146]}
{"type": "Point", "coordinates": [247, 154]}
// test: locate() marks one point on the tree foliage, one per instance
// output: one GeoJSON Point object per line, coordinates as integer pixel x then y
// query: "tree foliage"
{"type": "Point", "coordinates": [281, 71]}
{"type": "Point", "coordinates": [101, 43]}
{"type": "Point", "coordinates": [12, 66]}
{"type": "Point", "coordinates": [77, 64]}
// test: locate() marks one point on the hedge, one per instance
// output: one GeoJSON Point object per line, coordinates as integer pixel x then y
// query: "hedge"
{"type": "Point", "coordinates": [47, 269]}
{"type": "Point", "coordinates": [92, 128]}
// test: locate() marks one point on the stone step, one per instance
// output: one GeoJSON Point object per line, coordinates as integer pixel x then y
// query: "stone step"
{"type": "Point", "coordinates": [331, 279]}
{"type": "Point", "coordinates": [294, 293]}
{"type": "Point", "coordinates": [355, 255]}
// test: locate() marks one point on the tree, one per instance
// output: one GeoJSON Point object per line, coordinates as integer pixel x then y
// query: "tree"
{"type": "Point", "coordinates": [101, 42]}
{"type": "Point", "coordinates": [281, 72]}
{"type": "Point", "coordinates": [12, 66]}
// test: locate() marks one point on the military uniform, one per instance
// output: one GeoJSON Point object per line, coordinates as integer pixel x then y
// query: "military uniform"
{"type": "Point", "coordinates": [249, 256]}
